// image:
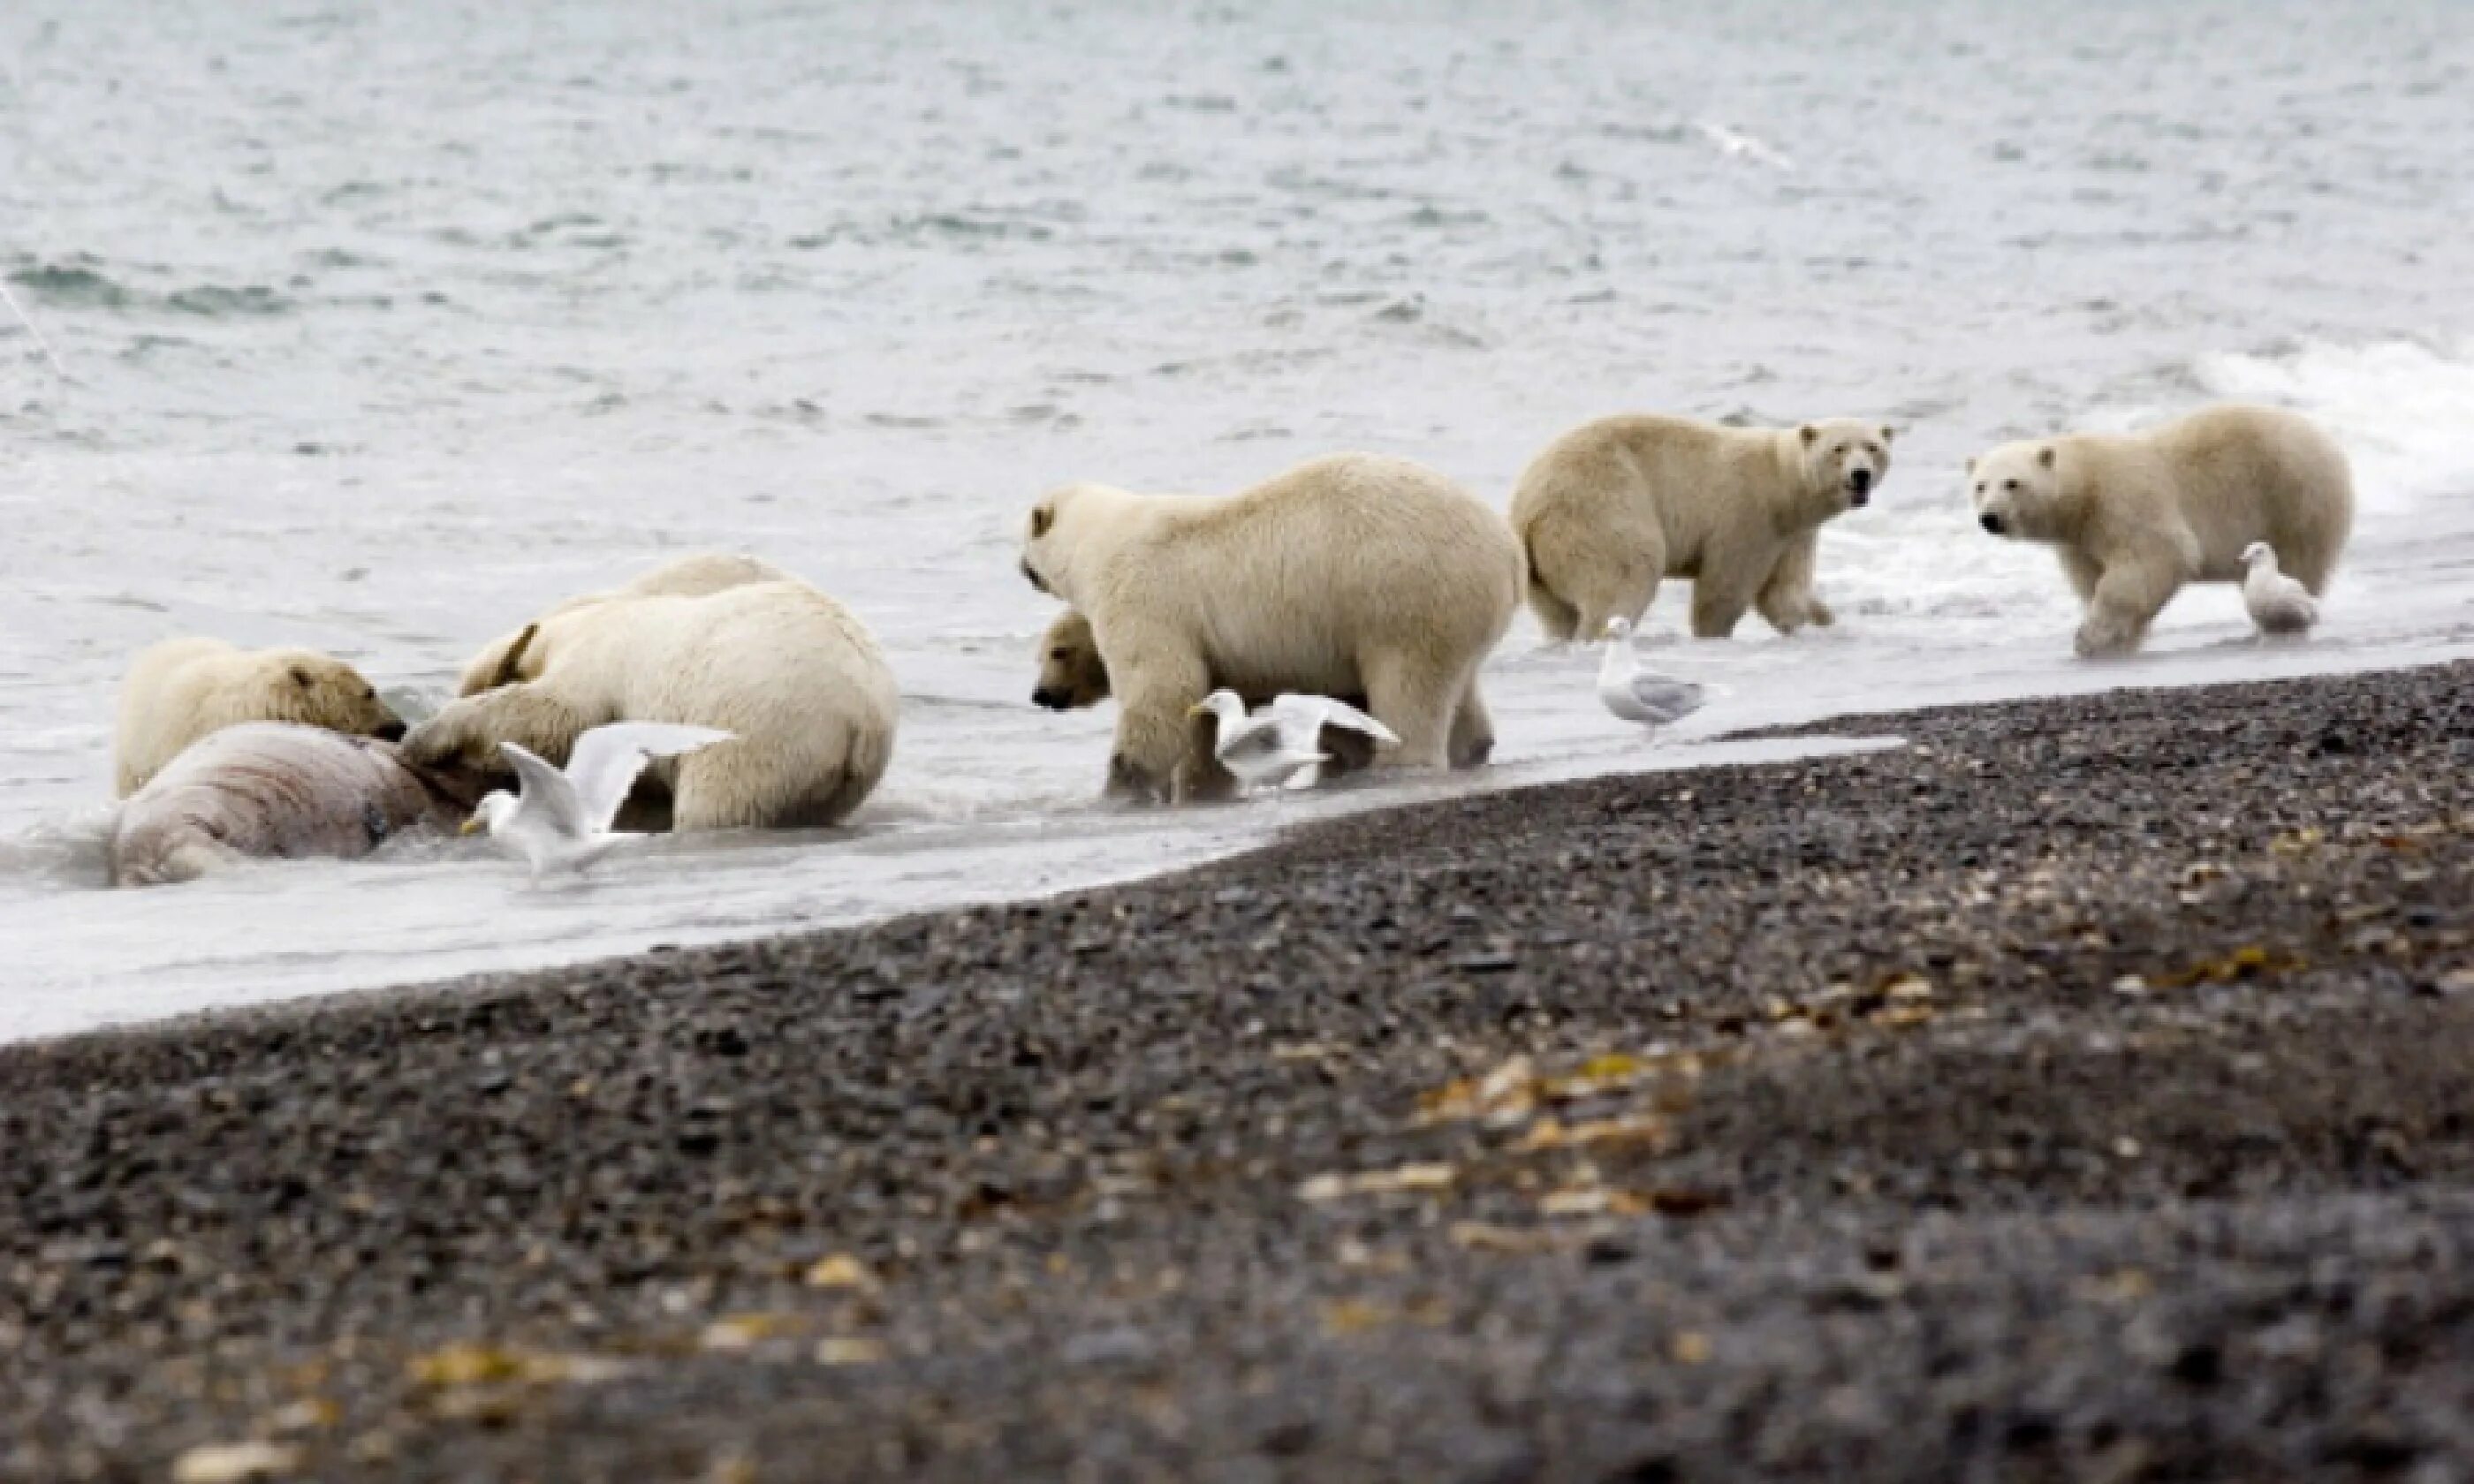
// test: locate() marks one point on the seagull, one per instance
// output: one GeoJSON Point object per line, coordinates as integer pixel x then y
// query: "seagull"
{"type": "Point", "coordinates": [562, 820]}
{"type": "Point", "coordinates": [2278, 605]}
{"type": "Point", "coordinates": [1639, 695]}
{"type": "Point", "coordinates": [1294, 734]}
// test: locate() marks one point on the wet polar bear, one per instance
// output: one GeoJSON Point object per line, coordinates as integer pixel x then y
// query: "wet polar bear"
{"type": "Point", "coordinates": [2134, 517]}
{"type": "Point", "coordinates": [1354, 574]}
{"type": "Point", "coordinates": [1614, 506]}
{"type": "Point", "coordinates": [500, 662]}
{"type": "Point", "coordinates": [182, 690]}
{"type": "Point", "coordinates": [796, 679]}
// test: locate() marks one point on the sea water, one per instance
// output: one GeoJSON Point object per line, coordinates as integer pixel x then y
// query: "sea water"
{"type": "Point", "coordinates": [376, 328]}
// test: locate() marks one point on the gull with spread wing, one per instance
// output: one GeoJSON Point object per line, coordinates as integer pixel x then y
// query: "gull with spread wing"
{"type": "Point", "coordinates": [1294, 732]}
{"type": "Point", "coordinates": [561, 820]}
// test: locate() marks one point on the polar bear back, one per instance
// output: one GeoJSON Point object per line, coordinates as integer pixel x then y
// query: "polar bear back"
{"type": "Point", "coordinates": [2239, 474]}
{"type": "Point", "coordinates": [182, 690]}
{"type": "Point", "coordinates": [1381, 551]}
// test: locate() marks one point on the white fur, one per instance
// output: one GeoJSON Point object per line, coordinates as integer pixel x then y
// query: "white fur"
{"type": "Point", "coordinates": [687, 577]}
{"type": "Point", "coordinates": [2134, 517]}
{"type": "Point", "coordinates": [789, 671]}
{"type": "Point", "coordinates": [1350, 575]}
{"type": "Point", "coordinates": [182, 690]}
{"type": "Point", "coordinates": [1614, 507]}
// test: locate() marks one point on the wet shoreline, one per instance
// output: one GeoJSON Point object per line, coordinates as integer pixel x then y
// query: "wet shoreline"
{"type": "Point", "coordinates": [2076, 1090]}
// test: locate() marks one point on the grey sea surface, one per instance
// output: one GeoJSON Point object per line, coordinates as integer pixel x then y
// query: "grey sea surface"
{"type": "Point", "coordinates": [378, 329]}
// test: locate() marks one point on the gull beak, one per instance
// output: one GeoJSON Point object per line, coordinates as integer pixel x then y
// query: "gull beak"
{"type": "Point", "coordinates": [1196, 709]}
{"type": "Point", "coordinates": [470, 827]}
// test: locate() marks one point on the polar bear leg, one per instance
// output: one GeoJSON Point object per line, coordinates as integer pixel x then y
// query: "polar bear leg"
{"type": "Point", "coordinates": [1156, 684]}
{"type": "Point", "coordinates": [1788, 600]}
{"type": "Point", "coordinates": [1472, 740]}
{"type": "Point", "coordinates": [2126, 599]}
{"type": "Point", "coordinates": [1596, 569]}
{"type": "Point", "coordinates": [2084, 572]}
{"type": "Point", "coordinates": [1722, 591]}
{"type": "Point", "coordinates": [1416, 697]}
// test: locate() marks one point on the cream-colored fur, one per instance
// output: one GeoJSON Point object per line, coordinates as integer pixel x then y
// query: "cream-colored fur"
{"type": "Point", "coordinates": [687, 577]}
{"type": "Point", "coordinates": [1072, 676]}
{"type": "Point", "coordinates": [788, 671]}
{"type": "Point", "coordinates": [1616, 506]}
{"type": "Point", "coordinates": [2134, 517]}
{"type": "Point", "coordinates": [1071, 673]}
{"type": "Point", "coordinates": [182, 689]}
{"type": "Point", "coordinates": [1349, 575]}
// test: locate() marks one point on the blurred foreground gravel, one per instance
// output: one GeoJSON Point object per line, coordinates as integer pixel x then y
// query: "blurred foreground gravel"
{"type": "Point", "coordinates": [2083, 1089]}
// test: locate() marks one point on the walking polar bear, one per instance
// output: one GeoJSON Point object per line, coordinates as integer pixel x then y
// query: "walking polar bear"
{"type": "Point", "coordinates": [1354, 574]}
{"type": "Point", "coordinates": [181, 690]}
{"type": "Point", "coordinates": [2134, 517]}
{"type": "Point", "coordinates": [796, 680]}
{"type": "Point", "coordinates": [1614, 506]}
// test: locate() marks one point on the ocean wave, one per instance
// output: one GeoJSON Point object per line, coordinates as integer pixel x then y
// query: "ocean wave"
{"type": "Point", "coordinates": [2404, 411]}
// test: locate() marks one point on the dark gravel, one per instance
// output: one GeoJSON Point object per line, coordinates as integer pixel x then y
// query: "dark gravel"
{"type": "Point", "coordinates": [2079, 1092]}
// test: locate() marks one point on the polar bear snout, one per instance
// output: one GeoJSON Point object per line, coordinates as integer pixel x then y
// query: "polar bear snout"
{"type": "Point", "coordinates": [1991, 522]}
{"type": "Point", "coordinates": [1032, 577]}
{"type": "Point", "coordinates": [1859, 486]}
{"type": "Point", "coordinates": [391, 731]}
{"type": "Point", "coordinates": [1053, 698]}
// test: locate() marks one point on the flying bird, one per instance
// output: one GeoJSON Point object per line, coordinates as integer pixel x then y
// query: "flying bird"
{"type": "Point", "coordinates": [561, 820]}
{"type": "Point", "coordinates": [1294, 732]}
{"type": "Point", "coordinates": [1639, 695]}
{"type": "Point", "coordinates": [2279, 605]}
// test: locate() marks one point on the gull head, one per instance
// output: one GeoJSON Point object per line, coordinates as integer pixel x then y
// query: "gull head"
{"type": "Point", "coordinates": [492, 813]}
{"type": "Point", "coordinates": [2258, 552]}
{"type": "Point", "coordinates": [1227, 704]}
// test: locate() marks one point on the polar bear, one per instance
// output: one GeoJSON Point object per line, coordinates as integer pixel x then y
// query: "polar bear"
{"type": "Point", "coordinates": [1073, 677]}
{"type": "Point", "coordinates": [688, 577]}
{"type": "Point", "coordinates": [796, 679]}
{"type": "Point", "coordinates": [1354, 574]}
{"type": "Point", "coordinates": [2134, 517]}
{"type": "Point", "coordinates": [182, 689]}
{"type": "Point", "coordinates": [1071, 674]}
{"type": "Point", "coordinates": [1615, 505]}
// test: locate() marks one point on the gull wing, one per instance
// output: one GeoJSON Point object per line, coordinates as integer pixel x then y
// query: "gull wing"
{"type": "Point", "coordinates": [544, 791]}
{"type": "Point", "coordinates": [1254, 736]}
{"type": "Point", "coordinates": [1667, 700]}
{"type": "Point", "coordinates": [1305, 717]}
{"type": "Point", "coordinates": [606, 760]}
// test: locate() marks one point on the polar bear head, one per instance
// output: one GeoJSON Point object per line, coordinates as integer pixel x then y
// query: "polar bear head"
{"type": "Point", "coordinates": [1071, 676]}
{"type": "Point", "coordinates": [320, 690]}
{"type": "Point", "coordinates": [1845, 460]}
{"type": "Point", "coordinates": [1067, 530]}
{"type": "Point", "coordinates": [2017, 492]}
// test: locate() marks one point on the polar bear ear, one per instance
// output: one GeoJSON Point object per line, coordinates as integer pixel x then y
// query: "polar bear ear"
{"type": "Point", "coordinates": [2044, 456]}
{"type": "Point", "coordinates": [301, 677]}
{"type": "Point", "coordinates": [1971, 465]}
{"type": "Point", "coordinates": [1889, 433]}
{"type": "Point", "coordinates": [508, 671]}
{"type": "Point", "coordinates": [1807, 433]}
{"type": "Point", "coordinates": [1042, 517]}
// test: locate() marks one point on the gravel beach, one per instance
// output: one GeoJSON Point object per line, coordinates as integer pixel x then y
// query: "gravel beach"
{"type": "Point", "coordinates": [2077, 1090]}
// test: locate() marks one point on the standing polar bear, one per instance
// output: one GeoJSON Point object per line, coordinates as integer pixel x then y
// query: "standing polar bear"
{"type": "Point", "coordinates": [2134, 517]}
{"type": "Point", "coordinates": [1354, 574]}
{"type": "Point", "coordinates": [1614, 506]}
{"type": "Point", "coordinates": [794, 678]}
{"type": "Point", "coordinates": [182, 689]}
